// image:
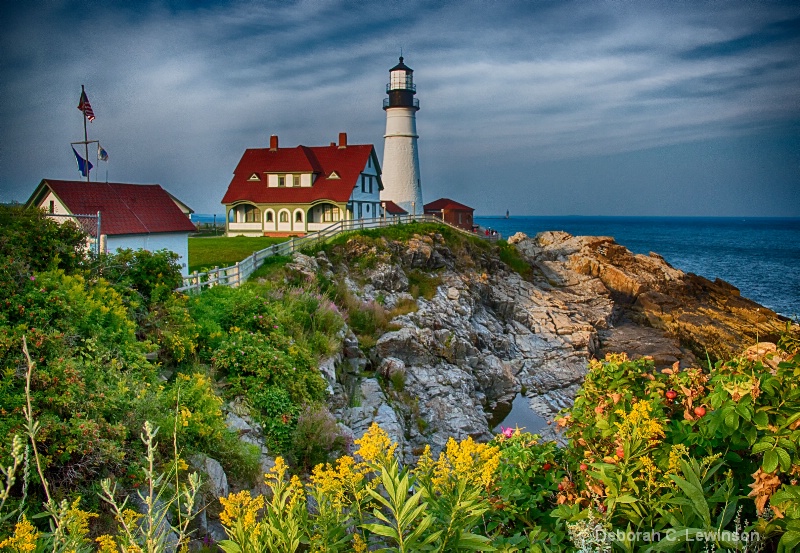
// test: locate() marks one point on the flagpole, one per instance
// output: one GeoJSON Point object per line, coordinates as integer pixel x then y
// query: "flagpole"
{"type": "Point", "coordinates": [85, 138]}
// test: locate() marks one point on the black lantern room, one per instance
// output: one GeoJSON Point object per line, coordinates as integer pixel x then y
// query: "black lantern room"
{"type": "Point", "coordinates": [401, 88]}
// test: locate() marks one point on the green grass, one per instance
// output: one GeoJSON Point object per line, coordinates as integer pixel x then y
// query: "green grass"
{"type": "Point", "coordinates": [222, 251]}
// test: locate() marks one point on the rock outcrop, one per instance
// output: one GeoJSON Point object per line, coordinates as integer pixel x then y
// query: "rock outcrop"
{"type": "Point", "coordinates": [487, 334]}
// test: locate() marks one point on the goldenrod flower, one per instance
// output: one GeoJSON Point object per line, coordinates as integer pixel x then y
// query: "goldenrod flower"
{"type": "Point", "coordinates": [375, 444]}
{"type": "Point", "coordinates": [24, 538]}
{"type": "Point", "coordinates": [107, 544]}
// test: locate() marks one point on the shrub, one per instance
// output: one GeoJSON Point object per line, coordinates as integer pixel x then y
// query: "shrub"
{"type": "Point", "coordinates": [317, 438]}
{"type": "Point", "coordinates": [153, 275]}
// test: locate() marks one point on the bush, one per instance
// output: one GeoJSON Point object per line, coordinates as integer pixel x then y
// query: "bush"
{"type": "Point", "coordinates": [316, 439]}
{"type": "Point", "coordinates": [153, 275]}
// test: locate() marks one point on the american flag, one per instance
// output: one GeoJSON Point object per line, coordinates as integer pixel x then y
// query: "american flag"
{"type": "Point", "coordinates": [86, 107]}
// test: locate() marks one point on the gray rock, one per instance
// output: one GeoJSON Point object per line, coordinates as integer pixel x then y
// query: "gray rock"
{"type": "Point", "coordinates": [216, 480]}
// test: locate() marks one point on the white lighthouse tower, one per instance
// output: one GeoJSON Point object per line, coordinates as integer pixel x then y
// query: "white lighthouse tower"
{"type": "Point", "coordinates": [400, 173]}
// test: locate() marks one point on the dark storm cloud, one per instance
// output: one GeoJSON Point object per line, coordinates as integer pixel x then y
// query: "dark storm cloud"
{"type": "Point", "coordinates": [562, 105]}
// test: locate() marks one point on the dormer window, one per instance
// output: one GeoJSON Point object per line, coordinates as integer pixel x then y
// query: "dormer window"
{"type": "Point", "coordinates": [254, 176]}
{"type": "Point", "coordinates": [281, 180]}
{"type": "Point", "coordinates": [295, 180]}
{"type": "Point", "coordinates": [334, 175]}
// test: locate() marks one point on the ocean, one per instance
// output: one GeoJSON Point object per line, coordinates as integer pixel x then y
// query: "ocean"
{"type": "Point", "coordinates": [760, 256]}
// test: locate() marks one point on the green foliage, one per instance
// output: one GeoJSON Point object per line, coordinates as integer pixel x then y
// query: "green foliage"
{"type": "Point", "coordinates": [153, 275]}
{"type": "Point", "coordinates": [423, 284]}
{"type": "Point", "coordinates": [511, 257]}
{"type": "Point", "coordinates": [316, 439]}
{"type": "Point", "coordinates": [32, 242]}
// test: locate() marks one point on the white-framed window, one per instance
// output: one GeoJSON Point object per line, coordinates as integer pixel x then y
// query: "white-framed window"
{"type": "Point", "coordinates": [295, 180]}
{"type": "Point", "coordinates": [269, 216]}
{"type": "Point", "coordinates": [251, 214]}
{"type": "Point", "coordinates": [284, 217]}
{"type": "Point", "coordinates": [281, 180]}
{"type": "Point", "coordinates": [298, 217]}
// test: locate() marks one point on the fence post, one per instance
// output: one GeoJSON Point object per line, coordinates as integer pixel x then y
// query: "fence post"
{"type": "Point", "coordinates": [196, 281]}
{"type": "Point", "coordinates": [216, 276]}
{"type": "Point", "coordinates": [238, 276]}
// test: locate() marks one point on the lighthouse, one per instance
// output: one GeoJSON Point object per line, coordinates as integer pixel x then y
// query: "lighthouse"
{"type": "Point", "coordinates": [400, 173]}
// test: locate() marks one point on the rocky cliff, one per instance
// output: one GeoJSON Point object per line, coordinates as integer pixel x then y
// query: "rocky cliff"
{"type": "Point", "coordinates": [484, 333]}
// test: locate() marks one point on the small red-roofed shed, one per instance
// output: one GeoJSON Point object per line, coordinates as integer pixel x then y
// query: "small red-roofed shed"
{"type": "Point", "coordinates": [452, 212]}
{"type": "Point", "coordinates": [134, 216]}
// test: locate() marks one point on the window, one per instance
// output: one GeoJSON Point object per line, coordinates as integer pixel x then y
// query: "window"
{"type": "Point", "coordinates": [459, 218]}
{"type": "Point", "coordinates": [269, 218]}
{"type": "Point", "coordinates": [52, 206]}
{"type": "Point", "coordinates": [370, 185]}
{"type": "Point", "coordinates": [363, 183]}
{"type": "Point", "coordinates": [298, 217]}
{"type": "Point", "coordinates": [284, 216]}
{"type": "Point", "coordinates": [251, 214]}
{"type": "Point", "coordinates": [254, 176]}
{"type": "Point", "coordinates": [295, 180]}
{"type": "Point", "coordinates": [281, 180]}
{"type": "Point", "coordinates": [367, 208]}
{"type": "Point", "coordinates": [360, 211]}
{"type": "Point", "coordinates": [335, 213]}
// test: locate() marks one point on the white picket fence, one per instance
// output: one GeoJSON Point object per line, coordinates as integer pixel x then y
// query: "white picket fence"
{"type": "Point", "coordinates": [237, 274]}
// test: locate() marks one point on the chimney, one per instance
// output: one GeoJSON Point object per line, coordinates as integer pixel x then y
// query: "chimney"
{"type": "Point", "coordinates": [273, 143]}
{"type": "Point", "coordinates": [342, 140]}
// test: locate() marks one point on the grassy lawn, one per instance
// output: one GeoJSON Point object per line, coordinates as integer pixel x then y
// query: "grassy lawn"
{"type": "Point", "coordinates": [220, 251]}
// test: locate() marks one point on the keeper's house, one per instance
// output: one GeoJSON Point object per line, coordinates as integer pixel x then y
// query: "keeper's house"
{"type": "Point", "coordinates": [134, 216]}
{"type": "Point", "coordinates": [292, 191]}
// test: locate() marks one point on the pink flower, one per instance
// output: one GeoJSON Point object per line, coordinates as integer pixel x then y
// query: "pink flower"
{"type": "Point", "coordinates": [507, 432]}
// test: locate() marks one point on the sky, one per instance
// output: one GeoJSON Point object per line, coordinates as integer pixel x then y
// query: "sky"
{"type": "Point", "coordinates": [673, 108]}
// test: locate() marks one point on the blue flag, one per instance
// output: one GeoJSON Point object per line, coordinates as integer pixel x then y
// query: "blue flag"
{"type": "Point", "coordinates": [84, 166]}
{"type": "Point", "coordinates": [102, 155]}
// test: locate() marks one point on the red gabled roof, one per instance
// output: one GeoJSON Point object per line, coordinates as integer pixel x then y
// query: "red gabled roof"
{"type": "Point", "coordinates": [446, 203]}
{"type": "Point", "coordinates": [124, 208]}
{"type": "Point", "coordinates": [347, 163]}
{"type": "Point", "coordinates": [394, 209]}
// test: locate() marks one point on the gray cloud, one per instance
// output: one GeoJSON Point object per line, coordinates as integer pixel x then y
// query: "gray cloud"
{"type": "Point", "coordinates": [551, 102]}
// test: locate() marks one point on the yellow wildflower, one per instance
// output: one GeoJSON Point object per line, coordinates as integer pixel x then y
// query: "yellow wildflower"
{"type": "Point", "coordinates": [296, 492]}
{"type": "Point", "coordinates": [375, 444]}
{"type": "Point", "coordinates": [107, 544]}
{"type": "Point", "coordinates": [359, 545]}
{"type": "Point", "coordinates": [466, 460]}
{"type": "Point", "coordinates": [677, 453]}
{"type": "Point", "coordinates": [240, 506]}
{"type": "Point", "coordinates": [24, 538]}
{"type": "Point", "coordinates": [639, 423]}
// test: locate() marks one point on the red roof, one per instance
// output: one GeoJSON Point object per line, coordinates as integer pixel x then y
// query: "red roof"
{"type": "Point", "coordinates": [394, 209]}
{"type": "Point", "coordinates": [446, 203]}
{"type": "Point", "coordinates": [124, 208]}
{"type": "Point", "coordinates": [347, 163]}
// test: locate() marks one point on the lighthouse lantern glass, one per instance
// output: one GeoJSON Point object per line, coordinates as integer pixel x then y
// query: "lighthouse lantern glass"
{"type": "Point", "coordinates": [400, 80]}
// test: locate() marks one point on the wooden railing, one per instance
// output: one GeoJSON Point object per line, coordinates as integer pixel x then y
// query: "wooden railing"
{"type": "Point", "coordinates": [237, 274]}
